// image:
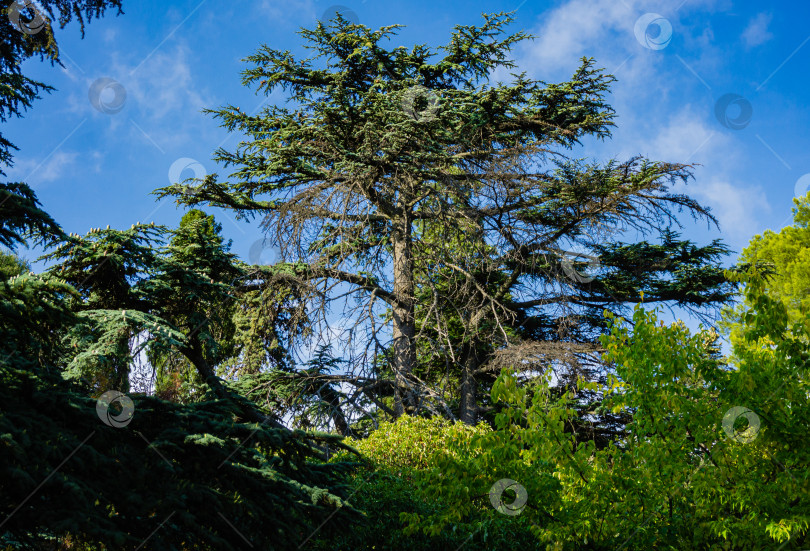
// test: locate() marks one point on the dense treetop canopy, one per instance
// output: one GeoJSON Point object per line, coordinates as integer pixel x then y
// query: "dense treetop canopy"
{"type": "Point", "coordinates": [505, 379]}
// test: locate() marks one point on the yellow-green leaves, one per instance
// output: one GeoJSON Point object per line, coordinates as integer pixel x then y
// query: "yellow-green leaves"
{"type": "Point", "coordinates": [714, 454]}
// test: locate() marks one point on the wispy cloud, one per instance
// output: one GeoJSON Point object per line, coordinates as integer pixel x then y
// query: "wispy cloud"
{"type": "Point", "coordinates": [166, 85]}
{"type": "Point", "coordinates": [576, 29]}
{"type": "Point", "coordinates": [685, 136]}
{"type": "Point", "coordinates": [164, 97]}
{"type": "Point", "coordinates": [292, 11]}
{"type": "Point", "coordinates": [756, 33]}
{"type": "Point", "coordinates": [659, 115]}
{"type": "Point", "coordinates": [737, 204]}
{"type": "Point", "coordinates": [34, 171]}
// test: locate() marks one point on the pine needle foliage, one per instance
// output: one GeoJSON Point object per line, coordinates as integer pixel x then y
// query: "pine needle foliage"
{"type": "Point", "coordinates": [449, 210]}
{"type": "Point", "coordinates": [227, 473]}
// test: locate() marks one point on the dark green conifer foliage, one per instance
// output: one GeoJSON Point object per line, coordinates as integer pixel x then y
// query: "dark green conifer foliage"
{"type": "Point", "coordinates": [205, 468]}
{"type": "Point", "coordinates": [178, 476]}
{"type": "Point", "coordinates": [445, 204]}
{"type": "Point", "coordinates": [21, 217]}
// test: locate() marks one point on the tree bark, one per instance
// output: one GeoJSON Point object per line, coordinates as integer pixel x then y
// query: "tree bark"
{"type": "Point", "coordinates": [404, 331]}
{"type": "Point", "coordinates": [468, 408]}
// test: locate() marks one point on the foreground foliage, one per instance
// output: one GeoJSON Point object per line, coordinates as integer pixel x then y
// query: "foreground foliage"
{"type": "Point", "coordinates": [715, 454]}
{"type": "Point", "coordinates": [204, 473]}
{"type": "Point", "coordinates": [394, 486]}
{"type": "Point", "coordinates": [397, 164]}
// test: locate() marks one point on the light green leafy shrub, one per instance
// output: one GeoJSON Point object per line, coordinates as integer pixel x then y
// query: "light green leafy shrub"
{"type": "Point", "coordinates": [714, 457]}
{"type": "Point", "coordinates": [404, 461]}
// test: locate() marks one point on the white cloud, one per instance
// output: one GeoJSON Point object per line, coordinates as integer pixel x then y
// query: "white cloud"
{"type": "Point", "coordinates": [56, 167]}
{"type": "Point", "coordinates": [756, 32]}
{"type": "Point", "coordinates": [162, 91]}
{"type": "Point", "coordinates": [685, 137]}
{"type": "Point", "coordinates": [164, 98]}
{"type": "Point", "coordinates": [738, 205]}
{"type": "Point", "coordinates": [605, 30]}
{"type": "Point", "coordinates": [164, 85]}
{"type": "Point", "coordinates": [580, 28]}
{"type": "Point", "coordinates": [575, 29]}
{"type": "Point", "coordinates": [36, 171]}
{"type": "Point", "coordinates": [292, 10]}
{"type": "Point", "coordinates": [111, 35]}
{"type": "Point", "coordinates": [648, 97]}
{"type": "Point", "coordinates": [738, 208]}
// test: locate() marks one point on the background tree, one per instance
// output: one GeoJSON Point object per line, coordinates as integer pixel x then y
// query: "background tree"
{"type": "Point", "coordinates": [12, 265]}
{"type": "Point", "coordinates": [175, 304]}
{"type": "Point", "coordinates": [392, 484]}
{"type": "Point", "coordinates": [191, 288]}
{"type": "Point", "coordinates": [785, 257]}
{"type": "Point", "coordinates": [399, 169]}
{"type": "Point", "coordinates": [105, 267]}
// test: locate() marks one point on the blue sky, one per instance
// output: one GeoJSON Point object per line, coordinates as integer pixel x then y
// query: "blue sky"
{"type": "Point", "coordinates": [674, 62]}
